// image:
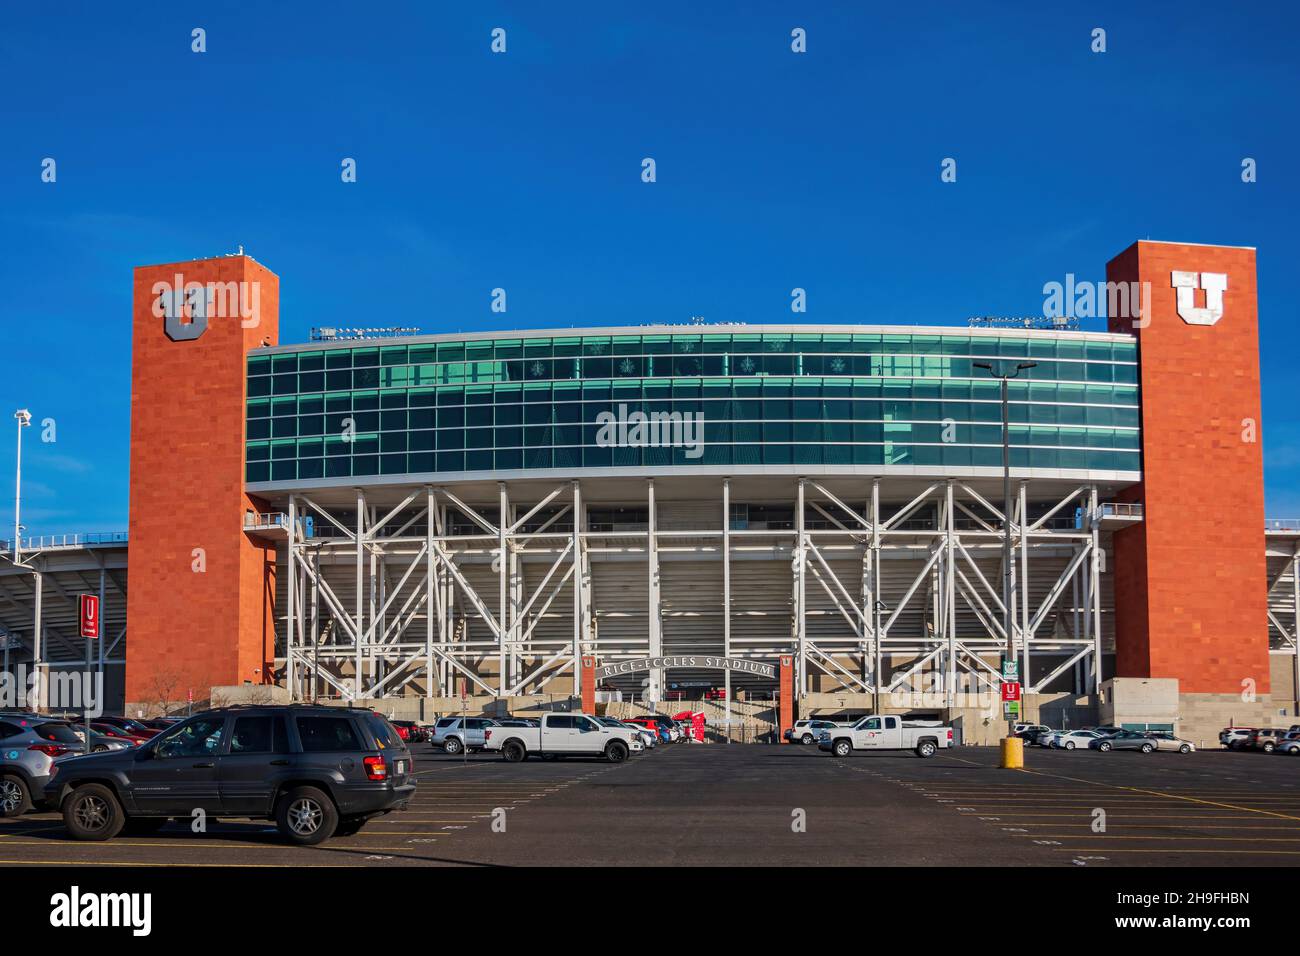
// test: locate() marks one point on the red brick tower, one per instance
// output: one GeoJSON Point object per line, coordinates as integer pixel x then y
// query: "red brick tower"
{"type": "Point", "coordinates": [1190, 581]}
{"type": "Point", "coordinates": [200, 608]}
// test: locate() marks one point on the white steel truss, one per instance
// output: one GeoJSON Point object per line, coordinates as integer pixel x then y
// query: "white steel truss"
{"type": "Point", "coordinates": [438, 595]}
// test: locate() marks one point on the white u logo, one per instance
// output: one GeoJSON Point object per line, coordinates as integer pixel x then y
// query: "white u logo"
{"type": "Point", "coordinates": [1214, 283]}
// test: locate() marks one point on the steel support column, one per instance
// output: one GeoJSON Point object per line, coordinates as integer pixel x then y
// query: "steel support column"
{"type": "Point", "coordinates": [656, 675]}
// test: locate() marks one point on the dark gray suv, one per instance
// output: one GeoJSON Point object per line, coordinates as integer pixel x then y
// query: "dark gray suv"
{"type": "Point", "coordinates": [316, 771]}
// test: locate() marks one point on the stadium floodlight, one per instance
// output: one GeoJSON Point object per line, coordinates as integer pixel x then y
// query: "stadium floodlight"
{"type": "Point", "coordinates": [1009, 618]}
{"type": "Point", "coordinates": [24, 418]}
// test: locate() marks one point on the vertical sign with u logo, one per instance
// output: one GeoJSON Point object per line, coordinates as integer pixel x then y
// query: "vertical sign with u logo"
{"type": "Point", "coordinates": [88, 614]}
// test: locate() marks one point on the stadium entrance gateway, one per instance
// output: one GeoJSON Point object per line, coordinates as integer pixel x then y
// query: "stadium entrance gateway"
{"type": "Point", "coordinates": [757, 668]}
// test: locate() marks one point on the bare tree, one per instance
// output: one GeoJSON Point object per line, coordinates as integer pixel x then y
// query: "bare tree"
{"type": "Point", "coordinates": [163, 690]}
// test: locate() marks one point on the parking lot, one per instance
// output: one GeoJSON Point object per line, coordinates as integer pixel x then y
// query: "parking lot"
{"type": "Point", "coordinates": [791, 805]}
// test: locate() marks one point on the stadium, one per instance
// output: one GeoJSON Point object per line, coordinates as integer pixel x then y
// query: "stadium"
{"type": "Point", "coordinates": [785, 519]}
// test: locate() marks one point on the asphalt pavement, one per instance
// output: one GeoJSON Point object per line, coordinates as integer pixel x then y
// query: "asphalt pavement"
{"type": "Point", "coordinates": [739, 805]}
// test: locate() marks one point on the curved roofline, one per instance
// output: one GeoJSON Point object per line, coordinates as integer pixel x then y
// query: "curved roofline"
{"type": "Point", "coordinates": [691, 328]}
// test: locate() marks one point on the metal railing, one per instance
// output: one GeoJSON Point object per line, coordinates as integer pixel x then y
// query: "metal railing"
{"type": "Point", "coordinates": [47, 542]}
{"type": "Point", "coordinates": [1120, 509]}
{"type": "Point", "coordinates": [266, 519]}
{"type": "Point", "coordinates": [1282, 524]}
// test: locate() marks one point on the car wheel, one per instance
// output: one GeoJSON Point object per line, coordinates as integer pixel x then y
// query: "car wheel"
{"type": "Point", "coordinates": [349, 826]}
{"type": "Point", "coordinates": [926, 748]}
{"type": "Point", "coordinates": [142, 826]}
{"type": "Point", "coordinates": [1069, 745]}
{"type": "Point", "coordinates": [1185, 749]}
{"type": "Point", "coordinates": [514, 751]}
{"type": "Point", "coordinates": [806, 739]}
{"type": "Point", "coordinates": [616, 752]}
{"type": "Point", "coordinates": [15, 799]}
{"type": "Point", "coordinates": [92, 812]}
{"type": "Point", "coordinates": [1267, 748]}
{"type": "Point", "coordinates": [1147, 748]}
{"type": "Point", "coordinates": [843, 748]}
{"type": "Point", "coordinates": [452, 746]}
{"type": "Point", "coordinates": [306, 816]}
{"type": "Point", "coordinates": [101, 749]}
{"type": "Point", "coordinates": [1105, 746]}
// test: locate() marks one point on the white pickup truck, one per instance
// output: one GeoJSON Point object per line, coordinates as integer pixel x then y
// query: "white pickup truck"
{"type": "Point", "coordinates": [887, 733]}
{"type": "Point", "coordinates": [562, 735]}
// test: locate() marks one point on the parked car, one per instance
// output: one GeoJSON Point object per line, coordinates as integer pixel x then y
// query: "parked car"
{"type": "Point", "coordinates": [516, 722]}
{"type": "Point", "coordinates": [1235, 737]}
{"type": "Point", "coordinates": [636, 742]}
{"type": "Point", "coordinates": [29, 746]}
{"type": "Point", "coordinates": [98, 742]}
{"type": "Point", "coordinates": [454, 734]}
{"type": "Point", "coordinates": [668, 724]}
{"type": "Point", "coordinates": [562, 735]}
{"type": "Point", "coordinates": [642, 738]}
{"type": "Point", "coordinates": [1290, 744]}
{"type": "Point", "coordinates": [1105, 729]}
{"type": "Point", "coordinates": [316, 771]}
{"type": "Point", "coordinates": [653, 726]}
{"type": "Point", "coordinates": [1264, 738]}
{"type": "Point", "coordinates": [1045, 735]}
{"type": "Point", "coordinates": [417, 733]}
{"type": "Point", "coordinates": [886, 733]}
{"type": "Point", "coordinates": [132, 726]}
{"type": "Point", "coordinates": [1029, 732]}
{"type": "Point", "coordinates": [1164, 740]}
{"type": "Point", "coordinates": [1073, 739]}
{"type": "Point", "coordinates": [403, 729]}
{"type": "Point", "coordinates": [807, 731]}
{"type": "Point", "coordinates": [161, 723]}
{"type": "Point", "coordinates": [117, 733]}
{"type": "Point", "coordinates": [1123, 740]}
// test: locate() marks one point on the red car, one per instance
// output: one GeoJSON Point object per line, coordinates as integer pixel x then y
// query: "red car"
{"type": "Point", "coordinates": [404, 732]}
{"type": "Point", "coordinates": [128, 725]}
{"type": "Point", "coordinates": [112, 730]}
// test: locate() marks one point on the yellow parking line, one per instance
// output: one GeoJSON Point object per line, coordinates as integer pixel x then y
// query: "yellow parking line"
{"type": "Point", "coordinates": [1125, 816]}
{"type": "Point", "coordinates": [1155, 826]}
{"type": "Point", "coordinates": [1120, 849]}
{"type": "Point", "coordinates": [170, 865]}
{"type": "Point", "coordinates": [1170, 796]}
{"type": "Point", "coordinates": [108, 845]}
{"type": "Point", "coordinates": [1180, 839]}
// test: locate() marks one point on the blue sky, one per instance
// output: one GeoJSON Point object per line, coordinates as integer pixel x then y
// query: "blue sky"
{"type": "Point", "coordinates": [522, 170]}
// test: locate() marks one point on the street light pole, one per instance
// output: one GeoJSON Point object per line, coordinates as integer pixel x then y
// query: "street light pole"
{"type": "Point", "coordinates": [1009, 615]}
{"type": "Point", "coordinates": [24, 418]}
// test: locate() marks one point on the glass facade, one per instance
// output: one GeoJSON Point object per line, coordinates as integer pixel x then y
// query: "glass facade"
{"type": "Point", "coordinates": [766, 398]}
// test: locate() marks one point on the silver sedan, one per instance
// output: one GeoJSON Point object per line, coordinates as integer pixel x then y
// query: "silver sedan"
{"type": "Point", "coordinates": [1167, 741]}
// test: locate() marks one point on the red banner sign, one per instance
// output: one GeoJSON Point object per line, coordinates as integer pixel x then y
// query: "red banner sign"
{"type": "Point", "coordinates": [88, 612]}
{"type": "Point", "coordinates": [1010, 690]}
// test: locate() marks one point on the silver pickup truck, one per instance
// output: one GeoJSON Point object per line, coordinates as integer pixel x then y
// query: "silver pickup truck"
{"type": "Point", "coordinates": [887, 733]}
{"type": "Point", "coordinates": [562, 735]}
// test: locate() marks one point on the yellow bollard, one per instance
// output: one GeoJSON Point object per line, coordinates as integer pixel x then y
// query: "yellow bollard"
{"type": "Point", "coordinates": [1013, 754]}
